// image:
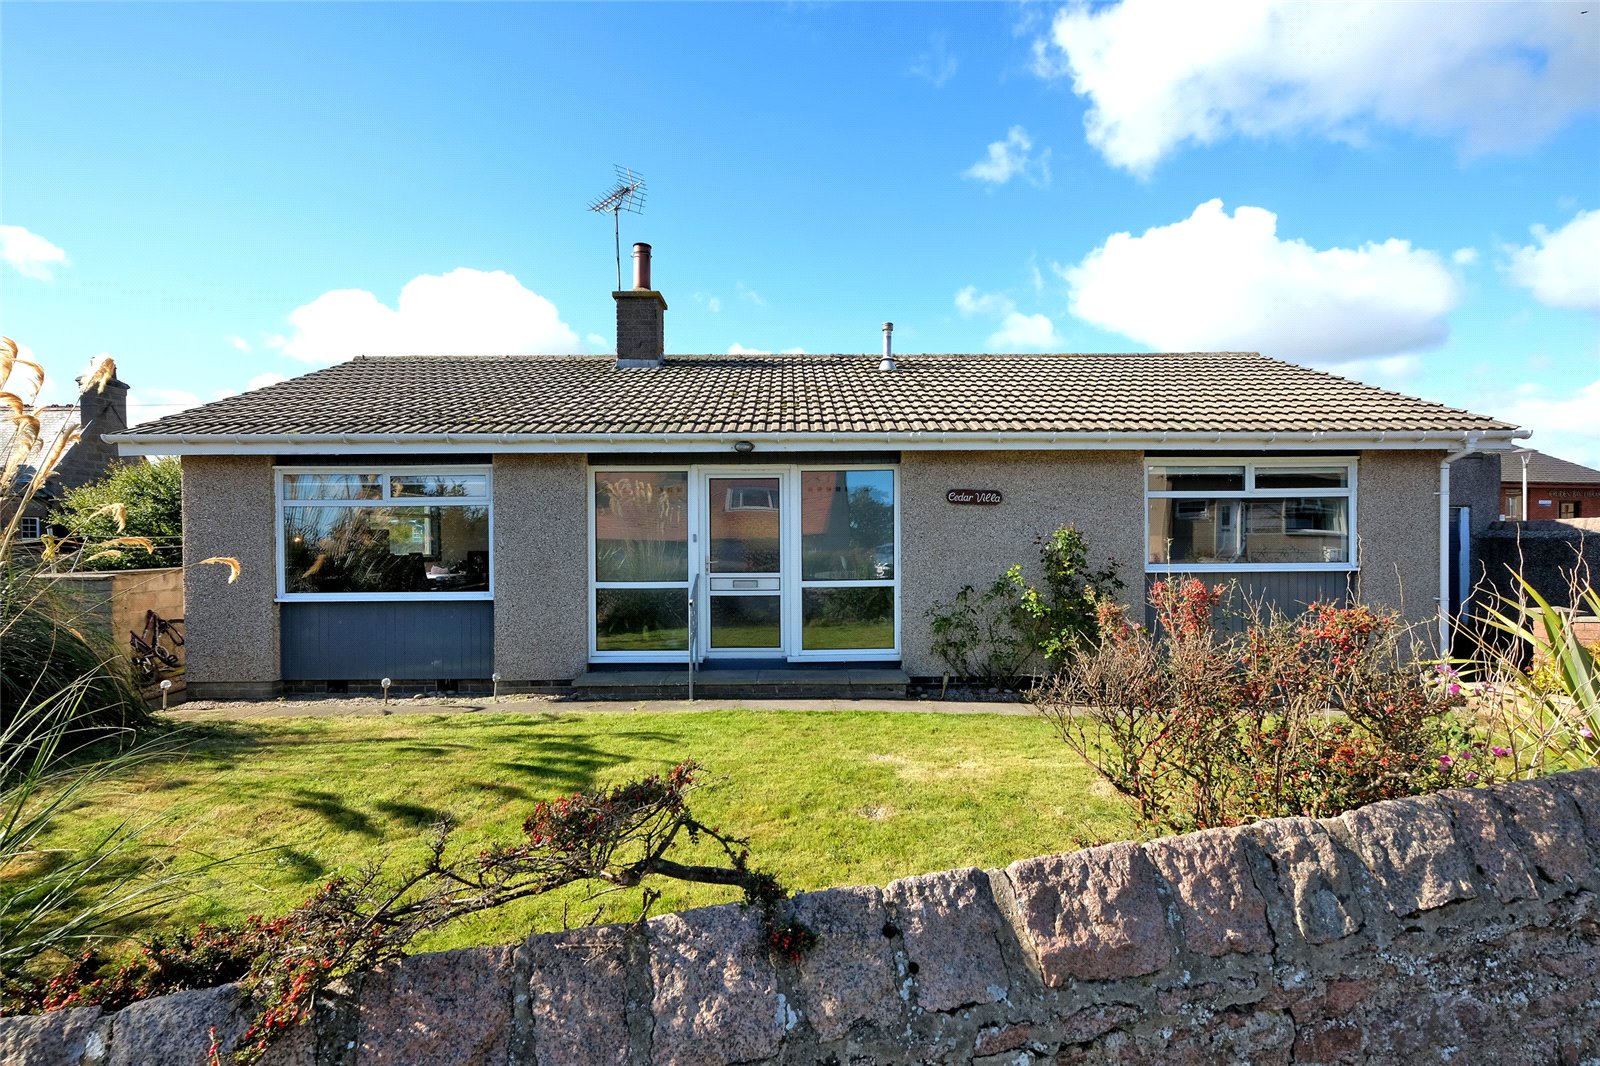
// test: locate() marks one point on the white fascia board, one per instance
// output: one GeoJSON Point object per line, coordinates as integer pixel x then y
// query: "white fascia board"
{"type": "Point", "coordinates": [135, 443]}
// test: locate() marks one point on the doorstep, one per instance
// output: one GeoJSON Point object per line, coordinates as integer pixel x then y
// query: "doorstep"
{"type": "Point", "coordinates": [798, 682]}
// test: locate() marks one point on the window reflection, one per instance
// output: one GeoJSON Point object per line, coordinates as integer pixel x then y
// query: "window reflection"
{"type": "Point", "coordinates": [847, 525]}
{"type": "Point", "coordinates": [641, 526]}
{"type": "Point", "coordinates": [847, 619]}
{"type": "Point", "coordinates": [745, 516]}
{"type": "Point", "coordinates": [386, 549]}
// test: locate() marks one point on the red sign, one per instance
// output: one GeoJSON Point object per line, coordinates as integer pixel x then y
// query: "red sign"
{"type": "Point", "coordinates": [980, 497]}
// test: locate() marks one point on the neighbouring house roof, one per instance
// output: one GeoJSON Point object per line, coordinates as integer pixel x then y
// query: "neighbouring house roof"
{"type": "Point", "coordinates": [492, 399]}
{"type": "Point", "coordinates": [1545, 470]}
{"type": "Point", "coordinates": [55, 420]}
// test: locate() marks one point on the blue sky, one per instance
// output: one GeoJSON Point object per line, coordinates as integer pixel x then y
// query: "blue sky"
{"type": "Point", "coordinates": [220, 195]}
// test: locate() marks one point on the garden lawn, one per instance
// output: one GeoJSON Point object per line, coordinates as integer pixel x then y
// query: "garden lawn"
{"type": "Point", "coordinates": [826, 798]}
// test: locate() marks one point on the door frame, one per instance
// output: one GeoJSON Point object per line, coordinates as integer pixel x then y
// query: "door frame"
{"type": "Point", "coordinates": [790, 479]}
{"type": "Point", "coordinates": [788, 557]}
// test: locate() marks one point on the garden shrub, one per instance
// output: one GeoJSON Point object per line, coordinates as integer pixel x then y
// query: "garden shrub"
{"type": "Point", "coordinates": [994, 635]}
{"type": "Point", "coordinates": [617, 837]}
{"type": "Point", "coordinates": [1307, 716]}
{"type": "Point", "coordinates": [137, 499]}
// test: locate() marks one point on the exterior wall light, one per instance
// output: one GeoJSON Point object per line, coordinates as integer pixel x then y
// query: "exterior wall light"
{"type": "Point", "coordinates": [744, 447]}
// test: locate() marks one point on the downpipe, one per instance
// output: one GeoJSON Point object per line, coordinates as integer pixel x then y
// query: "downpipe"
{"type": "Point", "coordinates": [1443, 597]}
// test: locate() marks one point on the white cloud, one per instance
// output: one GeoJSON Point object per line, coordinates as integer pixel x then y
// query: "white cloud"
{"type": "Point", "coordinates": [1564, 269]}
{"type": "Point", "coordinates": [1162, 73]}
{"type": "Point", "coordinates": [598, 343]}
{"type": "Point", "coordinates": [1464, 256]}
{"type": "Point", "coordinates": [239, 343]}
{"type": "Point", "coordinates": [1017, 332]}
{"type": "Point", "coordinates": [1221, 282]}
{"type": "Point", "coordinates": [261, 381]}
{"type": "Point", "coordinates": [747, 293]}
{"type": "Point", "coordinates": [1563, 425]}
{"type": "Point", "coordinates": [1012, 158]}
{"type": "Point", "coordinates": [147, 404]}
{"type": "Point", "coordinates": [30, 254]}
{"type": "Point", "coordinates": [712, 303]}
{"type": "Point", "coordinates": [936, 66]}
{"type": "Point", "coordinates": [739, 349]}
{"type": "Point", "coordinates": [464, 312]}
{"type": "Point", "coordinates": [1393, 371]}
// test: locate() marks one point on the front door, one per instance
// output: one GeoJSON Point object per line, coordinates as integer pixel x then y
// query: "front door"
{"type": "Point", "coordinates": [744, 566]}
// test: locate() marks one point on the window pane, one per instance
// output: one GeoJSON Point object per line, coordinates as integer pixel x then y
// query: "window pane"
{"type": "Point", "coordinates": [855, 619]}
{"type": "Point", "coordinates": [386, 549]}
{"type": "Point", "coordinates": [847, 525]}
{"type": "Point", "coordinates": [641, 526]}
{"type": "Point", "coordinates": [641, 619]}
{"type": "Point", "coordinates": [439, 485]}
{"type": "Point", "coordinates": [1308, 477]}
{"type": "Point", "coordinates": [332, 487]}
{"type": "Point", "coordinates": [746, 622]}
{"type": "Point", "coordinates": [1307, 530]}
{"type": "Point", "coordinates": [744, 525]}
{"type": "Point", "coordinates": [1197, 479]}
{"type": "Point", "coordinates": [1195, 531]}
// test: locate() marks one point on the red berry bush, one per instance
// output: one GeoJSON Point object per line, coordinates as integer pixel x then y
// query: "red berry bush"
{"type": "Point", "coordinates": [1201, 726]}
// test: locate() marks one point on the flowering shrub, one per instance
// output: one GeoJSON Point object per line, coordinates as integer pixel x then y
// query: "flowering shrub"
{"type": "Point", "coordinates": [617, 836]}
{"type": "Point", "coordinates": [992, 636]}
{"type": "Point", "coordinates": [1313, 715]}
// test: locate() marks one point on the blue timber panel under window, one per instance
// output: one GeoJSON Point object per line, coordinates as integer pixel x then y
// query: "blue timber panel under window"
{"type": "Point", "coordinates": [411, 640]}
{"type": "Point", "coordinates": [1287, 592]}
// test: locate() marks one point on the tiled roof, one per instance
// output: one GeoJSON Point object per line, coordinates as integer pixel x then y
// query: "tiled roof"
{"type": "Point", "coordinates": [1545, 469]}
{"type": "Point", "coordinates": [54, 420]}
{"type": "Point", "coordinates": [1229, 392]}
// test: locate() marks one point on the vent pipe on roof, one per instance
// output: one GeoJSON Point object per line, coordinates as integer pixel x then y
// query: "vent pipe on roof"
{"type": "Point", "coordinates": [887, 363]}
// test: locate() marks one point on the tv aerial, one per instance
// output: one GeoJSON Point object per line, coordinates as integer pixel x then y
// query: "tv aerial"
{"type": "Point", "coordinates": [626, 194]}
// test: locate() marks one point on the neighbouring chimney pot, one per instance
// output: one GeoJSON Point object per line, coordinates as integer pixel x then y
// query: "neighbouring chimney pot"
{"type": "Point", "coordinates": [887, 363]}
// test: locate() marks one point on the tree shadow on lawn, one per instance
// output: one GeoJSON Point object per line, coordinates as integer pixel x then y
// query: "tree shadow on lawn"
{"type": "Point", "coordinates": [335, 810]}
{"type": "Point", "coordinates": [562, 762]}
{"type": "Point", "coordinates": [410, 815]}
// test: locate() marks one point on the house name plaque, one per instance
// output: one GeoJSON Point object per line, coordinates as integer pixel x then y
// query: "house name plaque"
{"type": "Point", "coordinates": [979, 497]}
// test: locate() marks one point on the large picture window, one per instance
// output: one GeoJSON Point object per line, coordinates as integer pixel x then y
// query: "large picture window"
{"type": "Point", "coordinates": [378, 534]}
{"type": "Point", "coordinates": [1206, 514]}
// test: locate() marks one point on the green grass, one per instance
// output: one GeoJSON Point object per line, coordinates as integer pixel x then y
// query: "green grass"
{"type": "Point", "coordinates": [825, 798]}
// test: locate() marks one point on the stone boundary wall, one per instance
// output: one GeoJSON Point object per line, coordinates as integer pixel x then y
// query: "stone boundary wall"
{"type": "Point", "coordinates": [1462, 927]}
{"type": "Point", "coordinates": [114, 602]}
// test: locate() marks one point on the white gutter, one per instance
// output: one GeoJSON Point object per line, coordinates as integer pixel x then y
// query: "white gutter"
{"type": "Point", "coordinates": [136, 443]}
{"type": "Point", "coordinates": [1444, 539]}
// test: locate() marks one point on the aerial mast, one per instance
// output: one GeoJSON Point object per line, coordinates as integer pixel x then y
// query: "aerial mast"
{"type": "Point", "coordinates": [626, 194]}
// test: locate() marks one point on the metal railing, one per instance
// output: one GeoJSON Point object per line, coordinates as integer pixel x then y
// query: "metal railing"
{"type": "Point", "coordinates": [694, 629]}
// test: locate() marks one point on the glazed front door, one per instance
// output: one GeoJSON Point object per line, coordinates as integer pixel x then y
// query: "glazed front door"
{"type": "Point", "coordinates": [743, 561]}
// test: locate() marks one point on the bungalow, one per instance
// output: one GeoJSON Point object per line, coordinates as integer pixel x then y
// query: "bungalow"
{"type": "Point", "coordinates": [1535, 485]}
{"type": "Point", "coordinates": [542, 518]}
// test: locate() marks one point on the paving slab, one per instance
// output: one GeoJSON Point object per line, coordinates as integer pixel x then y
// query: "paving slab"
{"type": "Point", "coordinates": [558, 706]}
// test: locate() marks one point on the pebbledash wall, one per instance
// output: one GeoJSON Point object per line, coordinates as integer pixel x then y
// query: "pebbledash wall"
{"type": "Point", "coordinates": [244, 643]}
{"type": "Point", "coordinates": [1462, 927]}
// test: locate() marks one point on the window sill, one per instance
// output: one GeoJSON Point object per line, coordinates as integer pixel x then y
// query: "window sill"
{"type": "Point", "coordinates": [382, 597]}
{"type": "Point", "coordinates": [1249, 568]}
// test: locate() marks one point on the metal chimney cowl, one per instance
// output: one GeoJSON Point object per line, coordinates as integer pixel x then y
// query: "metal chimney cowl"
{"type": "Point", "coordinates": [641, 318]}
{"type": "Point", "coordinates": [887, 363]}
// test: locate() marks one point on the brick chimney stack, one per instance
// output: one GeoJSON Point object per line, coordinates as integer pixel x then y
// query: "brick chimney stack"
{"type": "Point", "coordinates": [641, 318]}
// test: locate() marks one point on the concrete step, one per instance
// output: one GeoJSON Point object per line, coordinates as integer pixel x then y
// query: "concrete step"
{"type": "Point", "coordinates": [797, 682]}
